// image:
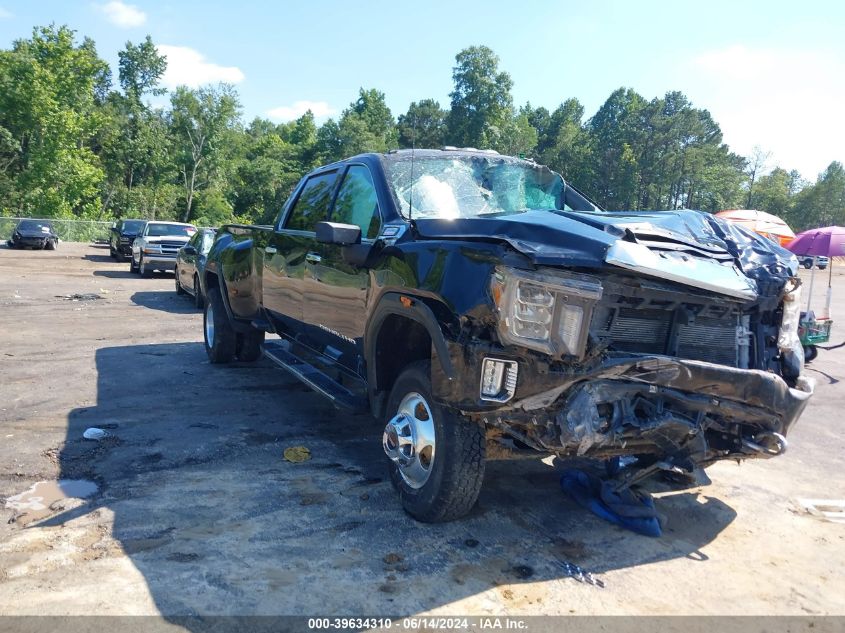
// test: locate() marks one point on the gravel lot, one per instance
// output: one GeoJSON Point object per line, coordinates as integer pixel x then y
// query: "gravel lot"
{"type": "Point", "coordinates": [198, 513]}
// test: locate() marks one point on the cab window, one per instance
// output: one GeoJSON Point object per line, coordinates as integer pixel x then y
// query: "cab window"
{"type": "Point", "coordinates": [357, 202]}
{"type": "Point", "coordinates": [312, 205]}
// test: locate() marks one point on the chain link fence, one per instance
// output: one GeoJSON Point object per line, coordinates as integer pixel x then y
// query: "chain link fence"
{"type": "Point", "coordinates": [67, 230]}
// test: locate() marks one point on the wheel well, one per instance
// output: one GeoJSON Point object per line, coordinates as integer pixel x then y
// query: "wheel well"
{"type": "Point", "coordinates": [400, 341]}
{"type": "Point", "coordinates": [210, 281]}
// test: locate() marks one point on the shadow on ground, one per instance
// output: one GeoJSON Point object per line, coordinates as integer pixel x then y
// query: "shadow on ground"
{"type": "Point", "coordinates": [116, 274]}
{"type": "Point", "coordinates": [164, 300]}
{"type": "Point", "coordinates": [217, 522]}
{"type": "Point", "coordinates": [100, 259]}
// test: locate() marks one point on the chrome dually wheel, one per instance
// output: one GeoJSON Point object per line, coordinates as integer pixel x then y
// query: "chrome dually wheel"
{"type": "Point", "coordinates": [409, 440]}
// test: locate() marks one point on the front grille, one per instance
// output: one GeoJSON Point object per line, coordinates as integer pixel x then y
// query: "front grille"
{"type": "Point", "coordinates": [627, 319]}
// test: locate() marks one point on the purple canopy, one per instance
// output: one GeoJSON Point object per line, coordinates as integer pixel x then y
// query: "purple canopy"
{"type": "Point", "coordinates": [828, 241]}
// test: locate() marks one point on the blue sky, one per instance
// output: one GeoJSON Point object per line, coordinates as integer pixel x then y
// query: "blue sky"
{"type": "Point", "coordinates": [771, 73]}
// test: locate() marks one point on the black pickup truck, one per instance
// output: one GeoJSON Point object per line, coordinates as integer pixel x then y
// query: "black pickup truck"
{"type": "Point", "coordinates": [482, 306]}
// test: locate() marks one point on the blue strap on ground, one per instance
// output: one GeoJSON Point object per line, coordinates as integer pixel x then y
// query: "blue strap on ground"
{"type": "Point", "coordinates": [628, 508]}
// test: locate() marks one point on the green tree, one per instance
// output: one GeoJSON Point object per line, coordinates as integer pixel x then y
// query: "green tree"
{"type": "Point", "coordinates": [49, 92]}
{"type": "Point", "coordinates": [199, 122]}
{"type": "Point", "coordinates": [141, 68]}
{"type": "Point", "coordinates": [482, 105]}
{"type": "Point", "coordinates": [423, 126]}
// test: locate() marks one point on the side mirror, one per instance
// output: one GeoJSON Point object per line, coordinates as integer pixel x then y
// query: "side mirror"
{"type": "Point", "coordinates": [336, 233]}
{"type": "Point", "coordinates": [189, 250]}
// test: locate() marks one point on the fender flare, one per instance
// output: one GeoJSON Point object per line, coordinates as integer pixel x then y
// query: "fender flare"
{"type": "Point", "coordinates": [391, 304]}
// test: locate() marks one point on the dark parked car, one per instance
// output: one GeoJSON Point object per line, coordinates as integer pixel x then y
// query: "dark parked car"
{"type": "Point", "coordinates": [34, 234]}
{"type": "Point", "coordinates": [480, 305]}
{"type": "Point", "coordinates": [123, 233]}
{"type": "Point", "coordinates": [190, 264]}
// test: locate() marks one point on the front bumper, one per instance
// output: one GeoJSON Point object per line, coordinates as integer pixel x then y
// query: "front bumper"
{"type": "Point", "coordinates": [628, 404]}
{"type": "Point", "coordinates": [125, 249]}
{"type": "Point", "coordinates": [31, 242]}
{"type": "Point", "coordinates": [160, 262]}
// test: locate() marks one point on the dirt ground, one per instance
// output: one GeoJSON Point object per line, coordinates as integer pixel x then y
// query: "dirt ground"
{"type": "Point", "coordinates": [197, 512]}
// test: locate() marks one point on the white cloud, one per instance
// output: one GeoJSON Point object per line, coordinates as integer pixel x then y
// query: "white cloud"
{"type": "Point", "coordinates": [785, 101]}
{"type": "Point", "coordinates": [5, 15]}
{"type": "Point", "coordinates": [320, 110]}
{"type": "Point", "coordinates": [123, 15]}
{"type": "Point", "coordinates": [188, 67]}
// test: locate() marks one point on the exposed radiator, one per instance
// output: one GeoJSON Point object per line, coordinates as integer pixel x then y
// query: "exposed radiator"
{"type": "Point", "coordinates": [648, 331]}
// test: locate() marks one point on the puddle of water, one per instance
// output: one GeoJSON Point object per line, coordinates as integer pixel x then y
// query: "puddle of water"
{"type": "Point", "coordinates": [44, 498]}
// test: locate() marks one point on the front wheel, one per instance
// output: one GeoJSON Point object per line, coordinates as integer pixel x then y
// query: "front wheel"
{"type": "Point", "coordinates": [133, 267]}
{"type": "Point", "coordinates": [50, 245]}
{"type": "Point", "coordinates": [198, 302]}
{"type": "Point", "coordinates": [810, 353]}
{"type": "Point", "coordinates": [179, 289]}
{"type": "Point", "coordinates": [436, 456]}
{"type": "Point", "coordinates": [218, 333]}
{"type": "Point", "coordinates": [142, 267]}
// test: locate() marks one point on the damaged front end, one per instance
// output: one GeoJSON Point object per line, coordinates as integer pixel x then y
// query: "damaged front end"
{"type": "Point", "coordinates": [613, 364]}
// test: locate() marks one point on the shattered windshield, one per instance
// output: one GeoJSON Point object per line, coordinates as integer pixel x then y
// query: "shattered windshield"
{"type": "Point", "coordinates": [450, 187]}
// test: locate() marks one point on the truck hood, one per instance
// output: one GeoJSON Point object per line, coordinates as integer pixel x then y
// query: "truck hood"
{"type": "Point", "coordinates": [690, 247]}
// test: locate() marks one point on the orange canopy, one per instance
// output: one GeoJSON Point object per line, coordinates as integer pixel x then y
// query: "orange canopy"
{"type": "Point", "coordinates": [766, 224]}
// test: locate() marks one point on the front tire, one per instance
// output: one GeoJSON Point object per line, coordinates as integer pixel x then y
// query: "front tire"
{"type": "Point", "coordinates": [142, 267]}
{"type": "Point", "coordinates": [50, 245]}
{"type": "Point", "coordinates": [218, 333]}
{"type": "Point", "coordinates": [133, 268]}
{"type": "Point", "coordinates": [179, 289]}
{"type": "Point", "coordinates": [436, 456]}
{"type": "Point", "coordinates": [198, 302]}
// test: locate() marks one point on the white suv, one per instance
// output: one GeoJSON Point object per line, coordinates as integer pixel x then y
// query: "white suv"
{"type": "Point", "coordinates": [156, 246]}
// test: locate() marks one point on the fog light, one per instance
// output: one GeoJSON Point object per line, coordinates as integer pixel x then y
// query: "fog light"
{"type": "Point", "coordinates": [498, 379]}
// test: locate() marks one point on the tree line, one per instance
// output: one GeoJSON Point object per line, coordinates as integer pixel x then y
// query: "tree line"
{"type": "Point", "coordinates": [75, 143]}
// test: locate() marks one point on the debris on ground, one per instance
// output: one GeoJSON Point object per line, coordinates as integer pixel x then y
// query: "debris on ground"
{"type": "Point", "coordinates": [93, 433]}
{"type": "Point", "coordinates": [580, 574]}
{"type": "Point", "coordinates": [392, 558]}
{"type": "Point", "coordinates": [628, 508]}
{"type": "Point", "coordinates": [832, 510]}
{"type": "Point", "coordinates": [87, 296]}
{"type": "Point", "coordinates": [297, 454]}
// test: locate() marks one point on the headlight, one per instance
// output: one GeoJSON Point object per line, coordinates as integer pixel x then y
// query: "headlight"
{"type": "Point", "coordinates": [152, 249]}
{"type": "Point", "coordinates": [546, 311]}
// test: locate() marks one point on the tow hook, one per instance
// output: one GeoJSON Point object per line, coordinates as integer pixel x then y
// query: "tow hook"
{"type": "Point", "coordinates": [767, 444]}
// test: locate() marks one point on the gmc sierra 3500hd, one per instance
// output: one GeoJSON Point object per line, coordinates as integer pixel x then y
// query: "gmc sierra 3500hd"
{"type": "Point", "coordinates": [472, 300]}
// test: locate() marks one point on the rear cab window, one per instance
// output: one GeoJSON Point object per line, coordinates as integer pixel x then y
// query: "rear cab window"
{"type": "Point", "coordinates": [312, 204]}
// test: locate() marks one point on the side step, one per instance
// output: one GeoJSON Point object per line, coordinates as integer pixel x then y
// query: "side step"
{"type": "Point", "coordinates": [277, 352]}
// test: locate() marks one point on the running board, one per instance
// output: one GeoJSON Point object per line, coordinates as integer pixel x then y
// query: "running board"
{"type": "Point", "coordinates": [277, 352]}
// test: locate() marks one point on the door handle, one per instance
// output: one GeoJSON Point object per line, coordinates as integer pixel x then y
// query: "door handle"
{"type": "Point", "coordinates": [313, 258]}
{"type": "Point", "coordinates": [270, 250]}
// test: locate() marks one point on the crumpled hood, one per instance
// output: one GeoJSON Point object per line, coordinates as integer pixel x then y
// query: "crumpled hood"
{"type": "Point", "coordinates": [579, 238]}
